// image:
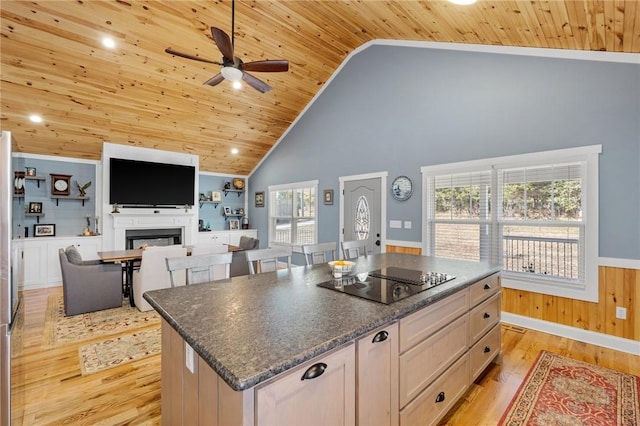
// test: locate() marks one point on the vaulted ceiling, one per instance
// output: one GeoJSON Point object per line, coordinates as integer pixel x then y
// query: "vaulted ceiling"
{"type": "Point", "coordinates": [53, 63]}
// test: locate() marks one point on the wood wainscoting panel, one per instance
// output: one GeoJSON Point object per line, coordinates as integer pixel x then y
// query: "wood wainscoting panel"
{"type": "Point", "coordinates": [405, 250]}
{"type": "Point", "coordinates": [617, 287]}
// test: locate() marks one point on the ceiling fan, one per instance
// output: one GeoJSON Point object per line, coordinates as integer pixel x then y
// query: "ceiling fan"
{"type": "Point", "coordinates": [233, 69]}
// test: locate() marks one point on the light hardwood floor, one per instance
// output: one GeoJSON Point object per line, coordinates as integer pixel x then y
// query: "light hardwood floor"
{"type": "Point", "coordinates": [50, 390]}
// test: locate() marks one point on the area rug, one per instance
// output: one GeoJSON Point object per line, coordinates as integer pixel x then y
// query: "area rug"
{"type": "Point", "coordinates": [563, 391]}
{"type": "Point", "coordinates": [120, 350]}
{"type": "Point", "coordinates": [59, 329]}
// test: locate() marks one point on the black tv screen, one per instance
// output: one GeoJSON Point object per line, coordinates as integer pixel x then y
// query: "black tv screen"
{"type": "Point", "coordinates": [144, 183]}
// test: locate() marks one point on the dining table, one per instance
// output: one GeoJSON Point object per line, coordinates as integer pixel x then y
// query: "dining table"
{"type": "Point", "coordinates": [129, 258]}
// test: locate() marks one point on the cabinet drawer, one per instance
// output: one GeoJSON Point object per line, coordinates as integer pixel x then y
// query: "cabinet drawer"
{"type": "Point", "coordinates": [483, 352]}
{"type": "Point", "coordinates": [483, 289]}
{"type": "Point", "coordinates": [483, 317]}
{"type": "Point", "coordinates": [432, 404]}
{"type": "Point", "coordinates": [419, 325]}
{"type": "Point", "coordinates": [422, 364]}
{"type": "Point", "coordinates": [328, 398]}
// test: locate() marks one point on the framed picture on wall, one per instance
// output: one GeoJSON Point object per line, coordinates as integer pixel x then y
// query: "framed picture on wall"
{"type": "Point", "coordinates": [44, 230]}
{"type": "Point", "coordinates": [35, 207]}
{"type": "Point", "coordinates": [227, 211]}
{"type": "Point", "coordinates": [328, 196]}
{"type": "Point", "coordinates": [260, 199]}
{"type": "Point", "coordinates": [234, 224]}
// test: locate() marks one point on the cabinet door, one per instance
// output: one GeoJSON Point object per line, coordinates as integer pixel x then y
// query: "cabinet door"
{"type": "Point", "coordinates": [34, 261]}
{"type": "Point", "coordinates": [377, 379]}
{"type": "Point", "coordinates": [326, 398]}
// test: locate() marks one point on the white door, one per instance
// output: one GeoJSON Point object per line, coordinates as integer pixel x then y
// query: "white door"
{"type": "Point", "coordinates": [362, 199]}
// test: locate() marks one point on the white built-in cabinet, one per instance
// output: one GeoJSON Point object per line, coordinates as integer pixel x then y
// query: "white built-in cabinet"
{"type": "Point", "coordinates": [36, 263]}
{"type": "Point", "coordinates": [225, 237]}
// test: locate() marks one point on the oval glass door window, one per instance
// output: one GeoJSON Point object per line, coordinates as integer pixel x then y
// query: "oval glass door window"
{"type": "Point", "coordinates": [362, 219]}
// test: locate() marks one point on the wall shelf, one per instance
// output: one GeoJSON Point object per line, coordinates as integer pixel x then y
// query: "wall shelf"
{"type": "Point", "coordinates": [215, 203]}
{"type": "Point", "coordinates": [69, 197]}
{"type": "Point", "coordinates": [238, 191]}
{"type": "Point", "coordinates": [36, 178]}
{"type": "Point", "coordinates": [36, 215]}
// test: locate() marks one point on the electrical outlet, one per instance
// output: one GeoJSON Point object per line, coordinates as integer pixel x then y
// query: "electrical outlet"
{"type": "Point", "coordinates": [189, 358]}
{"type": "Point", "coordinates": [621, 313]}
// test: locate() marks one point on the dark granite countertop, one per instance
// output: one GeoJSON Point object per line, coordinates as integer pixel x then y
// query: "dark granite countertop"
{"type": "Point", "coordinates": [250, 328]}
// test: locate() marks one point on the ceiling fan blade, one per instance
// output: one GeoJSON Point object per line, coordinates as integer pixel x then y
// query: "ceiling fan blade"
{"type": "Point", "coordinates": [223, 42]}
{"type": "Point", "coordinates": [215, 80]}
{"type": "Point", "coordinates": [275, 65]}
{"type": "Point", "coordinates": [185, 55]}
{"type": "Point", "coordinates": [256, 83]}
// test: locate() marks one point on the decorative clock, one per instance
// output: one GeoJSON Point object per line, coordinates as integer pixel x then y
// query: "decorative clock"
{"type": "Point", "coordinates": [60, 184]}
{"type": "Point", "coordinates": [402, 188]}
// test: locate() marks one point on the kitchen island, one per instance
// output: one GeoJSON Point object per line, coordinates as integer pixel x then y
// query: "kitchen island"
{"type": "Point", "coordinates": [251, 332]}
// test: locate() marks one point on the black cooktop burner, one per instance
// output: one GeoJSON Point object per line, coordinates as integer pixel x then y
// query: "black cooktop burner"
{"type": "Point", "coordinates": [387, 285]}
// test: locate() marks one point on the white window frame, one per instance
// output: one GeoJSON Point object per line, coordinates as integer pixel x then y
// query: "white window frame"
{"type": "Point", "coordinates": [292, 187]}
{"type": "Point", "coordinates": [587, 291]}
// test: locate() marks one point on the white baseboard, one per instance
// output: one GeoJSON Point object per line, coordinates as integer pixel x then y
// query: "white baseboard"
{"type": "Point", "coordinates": [599, 339]}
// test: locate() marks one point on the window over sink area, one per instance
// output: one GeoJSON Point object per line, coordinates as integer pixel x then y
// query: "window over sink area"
{"type": "Point", "coordinates": [535, 214]}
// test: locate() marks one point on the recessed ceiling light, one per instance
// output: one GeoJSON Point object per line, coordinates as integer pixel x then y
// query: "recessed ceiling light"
{"type": "Point", "coordinates": [463, 2]}
{"type": "Point", "coordinates": [108, 42]}
{"type": "Point", "coordinates": [236, 85]}
{"type": "Point", "coordinates": [234, 150]}
{"type": "Point", "coordinates": [35, 118]}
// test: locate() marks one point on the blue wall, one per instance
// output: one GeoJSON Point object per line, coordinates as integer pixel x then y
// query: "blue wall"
{"type": "Point", "coordinates": [69, 216]}
{"type": "Point", "coordinates": [396, 109]}
{"type": "Point", "coordinates": [212, 214]}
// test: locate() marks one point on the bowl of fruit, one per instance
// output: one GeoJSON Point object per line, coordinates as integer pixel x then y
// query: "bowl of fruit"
{"type": "Point", "coordinates": [341, 267]}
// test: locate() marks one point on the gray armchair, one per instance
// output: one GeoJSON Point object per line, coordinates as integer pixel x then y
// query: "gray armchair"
{"type": "Point", "coordinates": [89, 286]}
{"type": "Point", "coordinates": [239, 264]}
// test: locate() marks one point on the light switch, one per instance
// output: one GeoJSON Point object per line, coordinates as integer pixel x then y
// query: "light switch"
{"type": "Point", "coordinates": [407, 224]}
{"type": "Point", "coordinates": [395, 224]}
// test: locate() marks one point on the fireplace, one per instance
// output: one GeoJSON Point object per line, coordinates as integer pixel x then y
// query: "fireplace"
{"type": "Point", "coordinates": [135, 238]}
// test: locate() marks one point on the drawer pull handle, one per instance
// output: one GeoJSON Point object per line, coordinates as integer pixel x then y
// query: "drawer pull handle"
{"type": "Point", "coordinates": [487, 287]}
{"type": "Point", "coordinates": [440, 397]}
{"type": "Point", "coordinates": [380, 337]}
{"type": "Point", "coordinates": [316, 370]}
{"type": "Point", "coordinates": [486, 315]}
{"type": "Point", "coordinates": [487, 349]}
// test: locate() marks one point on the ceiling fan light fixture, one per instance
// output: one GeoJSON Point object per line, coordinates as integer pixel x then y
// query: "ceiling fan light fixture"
{"type": "Point", "coordinates": [231, 74]}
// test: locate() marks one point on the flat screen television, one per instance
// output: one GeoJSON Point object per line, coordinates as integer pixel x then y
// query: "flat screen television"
{"type": "Point", "coordinates": [147, 184]}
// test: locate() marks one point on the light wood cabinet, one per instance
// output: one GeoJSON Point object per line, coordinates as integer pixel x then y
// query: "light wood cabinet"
{"type": "Point", "coordinates": [321, 392]}
{"type": "Point", "coordinates": [444, 347]}
{"type": "Point", "coordinates": [409, 372]}
{"type": "Point", "coordinates": [483, 317]}
{"type": "Point", "coordinates": [377, 377]}
{"type": "Point", "coordinates": [423, 363]}
{"type": "Point", "coordinates": [432, 404]}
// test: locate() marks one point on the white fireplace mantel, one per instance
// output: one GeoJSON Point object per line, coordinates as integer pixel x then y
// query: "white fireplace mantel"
{"type": "Point", "coordinates": [152, 219]}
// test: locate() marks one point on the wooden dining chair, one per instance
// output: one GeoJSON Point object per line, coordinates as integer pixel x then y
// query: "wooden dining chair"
{"type": "Point", "coordinates": [353, 249]}
{"type": "Point", "coordinates": [268, 259]}
{"type": "Point", "coordinates": [199, 268]}
{"type": "Point", "coordinates": [317, 253]}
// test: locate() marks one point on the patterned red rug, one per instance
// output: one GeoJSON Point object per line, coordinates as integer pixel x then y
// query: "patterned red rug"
{"type": "Point", "coordinates": [562, 391]}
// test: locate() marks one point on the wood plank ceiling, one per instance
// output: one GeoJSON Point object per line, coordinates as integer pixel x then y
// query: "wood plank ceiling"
{"type": "Point", "coordinates": [53, 63]}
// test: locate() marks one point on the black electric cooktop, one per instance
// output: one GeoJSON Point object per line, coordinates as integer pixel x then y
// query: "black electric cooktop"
{"type": "Point", "coordinates": [387, 285]}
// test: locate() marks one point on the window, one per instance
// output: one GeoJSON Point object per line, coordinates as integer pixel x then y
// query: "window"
{"type": "Point", "coordinates": [535, 214]}
{"type": "Point", "coordinates": [292, 214]}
